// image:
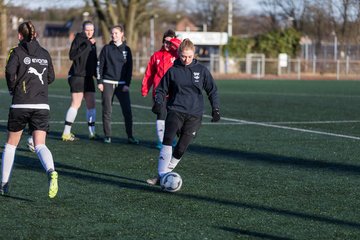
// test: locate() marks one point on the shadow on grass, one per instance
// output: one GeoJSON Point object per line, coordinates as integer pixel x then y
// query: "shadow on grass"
{"type": "Point", "coordinates": [274, 159]}
{"type": "Point", "coordinates": [55, 135]}
{"type": "Point", "coordinates": [16, 198]}
{"type": "Point", "coordinates": [253, 234]}
{"type": "Point", "coordinates": [135, 184]}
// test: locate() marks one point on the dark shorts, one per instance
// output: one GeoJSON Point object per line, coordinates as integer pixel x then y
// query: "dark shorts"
{"type": "Point", "coordinates": [81, 84]}
{"type": "Point", "coordinates": [185, 124]}
{"type": "Point", "coordinates": [38, 119]}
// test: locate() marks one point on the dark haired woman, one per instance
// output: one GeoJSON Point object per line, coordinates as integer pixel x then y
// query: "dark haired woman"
{"type": "Point", "coordinates": [29, 71]}
{"type": "Point", "coordinates": [159, 63]}
{"type": "Point", "coordinates": [114, 77]}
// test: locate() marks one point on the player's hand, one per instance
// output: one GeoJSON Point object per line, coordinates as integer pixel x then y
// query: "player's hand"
{"type": "Point", "coordinates": [156, 108]}
{"type": "Point", "coordinates": [101, 87]}
{"type": "Point", "coordinates": [125, 88]}
{"type": "Point", "coordinates": [92, 40]}
{"type": "Point", "coordinates": [215, 115]}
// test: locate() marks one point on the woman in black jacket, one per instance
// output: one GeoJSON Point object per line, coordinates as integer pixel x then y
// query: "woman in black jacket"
{"type": "Point", "coordinates": [28, 72]}
{"type": "Point", "coordinates": [81, 80]}
{"type": "Point", "coordinates": [184, 84]}
{"type": "Point", "coordinates": [114, 77]}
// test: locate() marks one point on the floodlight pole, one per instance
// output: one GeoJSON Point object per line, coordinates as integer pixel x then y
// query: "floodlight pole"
{"type": "Point", "coordinates": [335, 45]}
{"type": "Point", "coordinates": [230, 17]}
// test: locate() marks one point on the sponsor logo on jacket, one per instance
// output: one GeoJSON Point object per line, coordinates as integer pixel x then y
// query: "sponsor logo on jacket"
{"type": "Point", "coordinates": [43, 62]}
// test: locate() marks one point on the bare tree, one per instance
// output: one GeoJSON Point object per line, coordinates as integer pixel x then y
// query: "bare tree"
{"type": "Point", "coordinates": [270, 10]}
{"type": "Point", "coordinates": [347, 12]}
{"type": "Point", "coordinates": [318, 22]}
{"type": "Point", "coordinates": [132, 14]}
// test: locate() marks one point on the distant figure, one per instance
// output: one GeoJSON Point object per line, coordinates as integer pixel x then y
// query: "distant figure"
{"type": "Point", "coordinates": [81, 80]}
{"type": "Point", "coordinates": [184, 84]}
{"type": "Point", "coordinates": [114, 77]}
{"type": "Point", "coordinates": [28, 71]}
{"type": "Point", "coordinates": [159, 63]}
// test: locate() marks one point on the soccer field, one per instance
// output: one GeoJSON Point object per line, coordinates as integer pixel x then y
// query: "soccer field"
{"type": "Point", "coordinates": [283, 163]}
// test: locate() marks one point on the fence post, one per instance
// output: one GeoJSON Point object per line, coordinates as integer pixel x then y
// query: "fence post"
{"type": "Point", "coordinates": [347, 65]}
{"type": "Point", "coordinates": [258, 69]}
{"type": "Point", "coordinates": [337, 69]}
{"type": "Point", "coordinates": [137, 62]}
{"type": "Point", "coordinates": [212, 63]}
{"type": "Point", "coordinates": [59, 61]}
{"type": "Point", "coordinates": [299, 68]}
{"type": "Point", "coordinates": [314, 64]}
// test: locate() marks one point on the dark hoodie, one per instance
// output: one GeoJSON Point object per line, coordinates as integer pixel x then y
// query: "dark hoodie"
{"type": "Point", "coordinates": [184, 85]}
{"type": "Point", "coordinates": [83, 55]}
{"type": "Point", "coordinates": [28, 71]}
{"type": "Point", "coordinates": [115, 63]}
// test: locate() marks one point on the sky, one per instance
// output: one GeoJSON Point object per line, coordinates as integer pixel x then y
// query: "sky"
{"type": "Point", "coordinates": [249, 5]}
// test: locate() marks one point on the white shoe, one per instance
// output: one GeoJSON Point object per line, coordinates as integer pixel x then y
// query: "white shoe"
{"type": "Point", "coordinates": [154, 181]}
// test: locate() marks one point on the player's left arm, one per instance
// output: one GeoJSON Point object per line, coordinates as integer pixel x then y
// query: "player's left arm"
{"type": "Point", "coordinates": [11, 67]}
{"type": "Point", "coordinates": [51, 71]}
{"type": "Point", "coordinates": [212, 92]}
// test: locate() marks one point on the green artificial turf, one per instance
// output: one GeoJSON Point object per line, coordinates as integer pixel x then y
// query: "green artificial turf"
{"type": "Point", "coordinates": [282, 164]}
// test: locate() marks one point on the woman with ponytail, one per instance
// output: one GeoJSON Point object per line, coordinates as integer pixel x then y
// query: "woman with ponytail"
{"type": "Point", "coordinates": [29, 71]}
{"type": "Point", "coordinates": [181, 89]}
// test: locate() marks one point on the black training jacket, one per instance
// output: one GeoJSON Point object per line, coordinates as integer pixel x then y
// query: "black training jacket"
{"type": "Point", "coordinates": [83, 55]}
{"type": "Point", "coordinates": [115, 63]}
{"type": "Point", "coordinates": [185, 85]}
{"type": "Point", "coordinates": [28, 72]}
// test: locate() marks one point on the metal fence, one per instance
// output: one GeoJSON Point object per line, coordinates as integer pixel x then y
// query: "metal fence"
{"type": "Point", "coordinates": [344, 69]}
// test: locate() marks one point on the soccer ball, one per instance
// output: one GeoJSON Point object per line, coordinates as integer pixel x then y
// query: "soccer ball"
{"type": "Point", "coordinates": [171, 182]}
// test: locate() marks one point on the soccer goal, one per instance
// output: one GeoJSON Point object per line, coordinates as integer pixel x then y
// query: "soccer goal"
{"type": "Point", "coordinates": [255, 64]}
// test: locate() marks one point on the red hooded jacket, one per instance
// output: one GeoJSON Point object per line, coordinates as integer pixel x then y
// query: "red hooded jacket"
{"type": "Point", "coordinates": [158, 65]}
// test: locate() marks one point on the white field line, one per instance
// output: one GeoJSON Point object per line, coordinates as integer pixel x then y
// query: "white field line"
{"type": "Point", "coordinates": [258, 124]}
{"type": "Point", "coordinates": [293, 129]}
{"type": "Point", "coordinates": [239, 121]}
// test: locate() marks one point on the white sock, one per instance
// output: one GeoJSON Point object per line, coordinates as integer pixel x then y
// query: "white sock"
{"type": "Point", "coordinates": [70, 117]}
{"type": "Point", "coordinates": [173, 163]}
{"type": "Point", "coordinates": [45, 157]}
{"type": "Point", "coordinates": [7, 162]}
{"type": "Point", "coordinates": [164, 159]}
{"type": "Point", "coordinates": [91, 118]}
{"type": "Point", "coordinates": [160, 129]}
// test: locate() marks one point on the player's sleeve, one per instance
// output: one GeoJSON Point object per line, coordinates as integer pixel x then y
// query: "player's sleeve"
{"type": "Point", "coordinates": [162, 89]}
{"type": "Point", "coordinates": [128, 67]}
{"type": "Point", "coordinates": [51, 71]}
{"type": "Point", "coordinates": [78, 48]}
{"type": "Point", "coordinates": [11, 67]}
{"type": "Point", "coordinates": [211, 89]}
{"type": "Point", "coordinates": [148, 79]}
{"type": "Point", "coordinates": [100, 66]}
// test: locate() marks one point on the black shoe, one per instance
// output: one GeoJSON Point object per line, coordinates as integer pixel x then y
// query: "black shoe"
{"type": "Point", "coordinates": [4, 188]}
{"type": "Point", "coordinates": [132, 140]}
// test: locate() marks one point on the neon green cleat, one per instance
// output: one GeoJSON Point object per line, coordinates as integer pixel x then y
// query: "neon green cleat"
{"type": "Point", "coordinates": [69, 137]}
{"type": "Point", "coordinates": [53, 184]}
